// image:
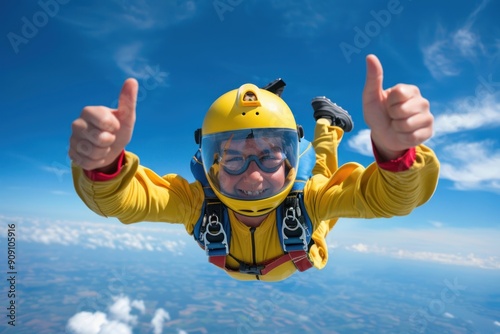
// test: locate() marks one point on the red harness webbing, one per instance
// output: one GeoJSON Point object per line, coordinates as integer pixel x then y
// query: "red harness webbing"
{"type": "Point", "coordinates": [299, 259]}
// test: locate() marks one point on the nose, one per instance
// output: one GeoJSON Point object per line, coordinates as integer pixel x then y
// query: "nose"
{"type": "Point", "coordinates": [253, 173]}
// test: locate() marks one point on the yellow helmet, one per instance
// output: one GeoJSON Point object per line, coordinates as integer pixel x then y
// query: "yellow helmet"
{"type": "Point", "coordinates": [248, 125]}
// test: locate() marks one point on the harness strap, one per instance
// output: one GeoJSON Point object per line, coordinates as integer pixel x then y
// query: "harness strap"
{"type": "Point", "coordinates": [219, 261]}
{"type": "Point", "coordinates": [214, 234]}
{"type": "Point", "coordinates": [293, 234]}
{"type": "Point", "coordinates": [299, 258]}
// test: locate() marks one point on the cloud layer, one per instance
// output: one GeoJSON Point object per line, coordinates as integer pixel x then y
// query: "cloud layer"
{"type": "Point", "coordinates": [118, 19]}
{"type": "Point", "coordinates": [111, 235]}
{"type": "Point", "coordinates": [120, 318]}
{"type": "Point", "coordinates": [468, 260]}
{"type": "Point", "coordinates": [445, 55]}
{"type": "Point", "coordinates": [466, 247]}
{"type": "Point", "coordinates": [476, 248]}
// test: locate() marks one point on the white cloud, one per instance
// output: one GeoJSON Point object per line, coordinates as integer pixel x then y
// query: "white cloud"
{"type": "Point", "coordinates": [86, 322]}
{"type": "Point", "coordinates": [52, 235]}
{"type": "Point", "coordinates": [110, 235]}
{"type": "Point", "coordinates": [469, 165]}
{"type": "Point", "coordinates": [467, 247]}
{"type": "Point", "coordinates": [137, 18]}
{"type": "Point", "coordinates": [118, 320]}
{"type": "Point", "coordinates": [138, 14]}
{"type": "Point", "coordinates": [121, 308]}
{"type": "Point", "coordinates": [129, 58]}
{"type": "Point", "coordinates": [437, 224]}
{"type": "Point", "coordinates": [441, 55]}
{"type": "Point", "coordinates": [468, 114]}
{"type": "Point", "coordinates": [463, 247]}
{"type": "Point", "coordinates": [119, 17]}
{"type": "Point", "coordinates": [472, 166]}
{"type": "Point", "coordinates": [361, 143]}
{"type": "Point", "coordinates": [115, 327]}
{"type": "Point", "coordinates": [496, 323]}
{"type": "Point", "coordinates": [303, 18]}
{"type": "Point", "coordinates": [468, 260]}
{"type": "Point", "coordinates": [157, 322]}
{"type": "Point", "coordinates": [466, 42]}
{"type": "Point", "coordinates": [437, 59]}
{"type": "Point", "coordinates": [361, 248]}
{"type": "Point", "coordinates": [139, 305]}
{"type": "Point", "coordinates": [57, 169]}
{"type": "Point", "coordinates": [61, 193]}
{"type": "Point", "coordinates": [448, 315]}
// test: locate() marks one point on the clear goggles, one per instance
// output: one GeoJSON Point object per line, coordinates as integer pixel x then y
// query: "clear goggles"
{"type": "Point", "coordinates": [234, 162]}
{"type": "Point", "coordinates": [234, 151]}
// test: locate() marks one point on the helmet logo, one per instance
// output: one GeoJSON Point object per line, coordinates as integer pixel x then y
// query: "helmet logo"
{"type": "Point", "coordinates": [249, 96]}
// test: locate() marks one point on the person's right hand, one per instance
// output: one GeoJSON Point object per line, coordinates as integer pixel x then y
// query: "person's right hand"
{"type": "Point", "coordinates": [100, 134]}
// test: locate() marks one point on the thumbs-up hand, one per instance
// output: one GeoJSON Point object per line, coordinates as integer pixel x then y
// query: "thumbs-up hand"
{"type": "Point", "coordinates": [399, 117]}
{"type": "Point", "coordinates": [100, 134]}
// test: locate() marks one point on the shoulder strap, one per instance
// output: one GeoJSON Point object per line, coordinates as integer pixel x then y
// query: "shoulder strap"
{"type": "Point", "coordinates": [294, 230]}
{"type": "Point", "coordinates": [307, 159]}
{"type": "Point", "coordinates": [213, 232]}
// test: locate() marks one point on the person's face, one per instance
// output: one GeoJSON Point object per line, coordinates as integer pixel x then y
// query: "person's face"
{"type": "Point", "coordinates": [252, 182]}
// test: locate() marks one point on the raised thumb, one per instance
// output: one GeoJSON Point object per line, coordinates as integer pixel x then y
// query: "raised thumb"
{"type": "Point", "coordinates": [127, 102]}
{"type": "Point", "coordinates": [373, 90]}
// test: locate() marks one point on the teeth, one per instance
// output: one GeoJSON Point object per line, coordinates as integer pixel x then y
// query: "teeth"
{"type": "Point", "coordinates": [253, 193]}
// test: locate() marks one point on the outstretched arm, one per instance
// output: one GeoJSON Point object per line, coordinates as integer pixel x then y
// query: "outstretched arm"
{"type": "Point", "coordinates": [399, 117]}
{"type": "Point", "coordinates": [112, 183]}
{"type": "Point", "coordinates": [406, 172]}
{"type": "Point", "coordinates": [100, 134]}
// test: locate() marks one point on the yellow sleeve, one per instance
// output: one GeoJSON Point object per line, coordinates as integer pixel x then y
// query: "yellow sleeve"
{"type": "Point", "coordinates": [357, 192]}
{"type": "Point", "coordinates": [138, 194]}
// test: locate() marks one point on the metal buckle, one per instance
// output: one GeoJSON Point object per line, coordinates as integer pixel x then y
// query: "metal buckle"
{"type": "Point", "coordinates": [251, 269]}
{"type": "Point", "coordinates": [215, 237]}
{"type": "Point", "coordinates": [290, 217]}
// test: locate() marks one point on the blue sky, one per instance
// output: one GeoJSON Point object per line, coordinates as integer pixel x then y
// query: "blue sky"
{"type": "Point", "coordinates": [59, 56]}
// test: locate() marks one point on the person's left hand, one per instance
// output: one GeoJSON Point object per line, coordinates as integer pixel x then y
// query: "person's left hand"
{"type": "Point", "coordinates": [399, 117]}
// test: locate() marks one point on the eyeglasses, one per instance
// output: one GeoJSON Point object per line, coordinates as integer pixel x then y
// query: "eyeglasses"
{"type": "Point", "coordinates": [235, 163]}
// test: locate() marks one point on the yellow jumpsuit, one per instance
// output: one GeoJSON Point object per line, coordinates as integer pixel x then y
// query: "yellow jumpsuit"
{"type": "Point", "coordinates": [138, 194]}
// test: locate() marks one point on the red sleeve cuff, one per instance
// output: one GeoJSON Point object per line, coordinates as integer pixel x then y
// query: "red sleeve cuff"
{"type": "Point", "coordinates": [400, 164]}
{"type": "Point", "coordinates": [100, 176]}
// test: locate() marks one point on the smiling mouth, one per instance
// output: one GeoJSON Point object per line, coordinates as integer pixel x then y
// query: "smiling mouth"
{"type": "Point", "coordinates": [249, 193]}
